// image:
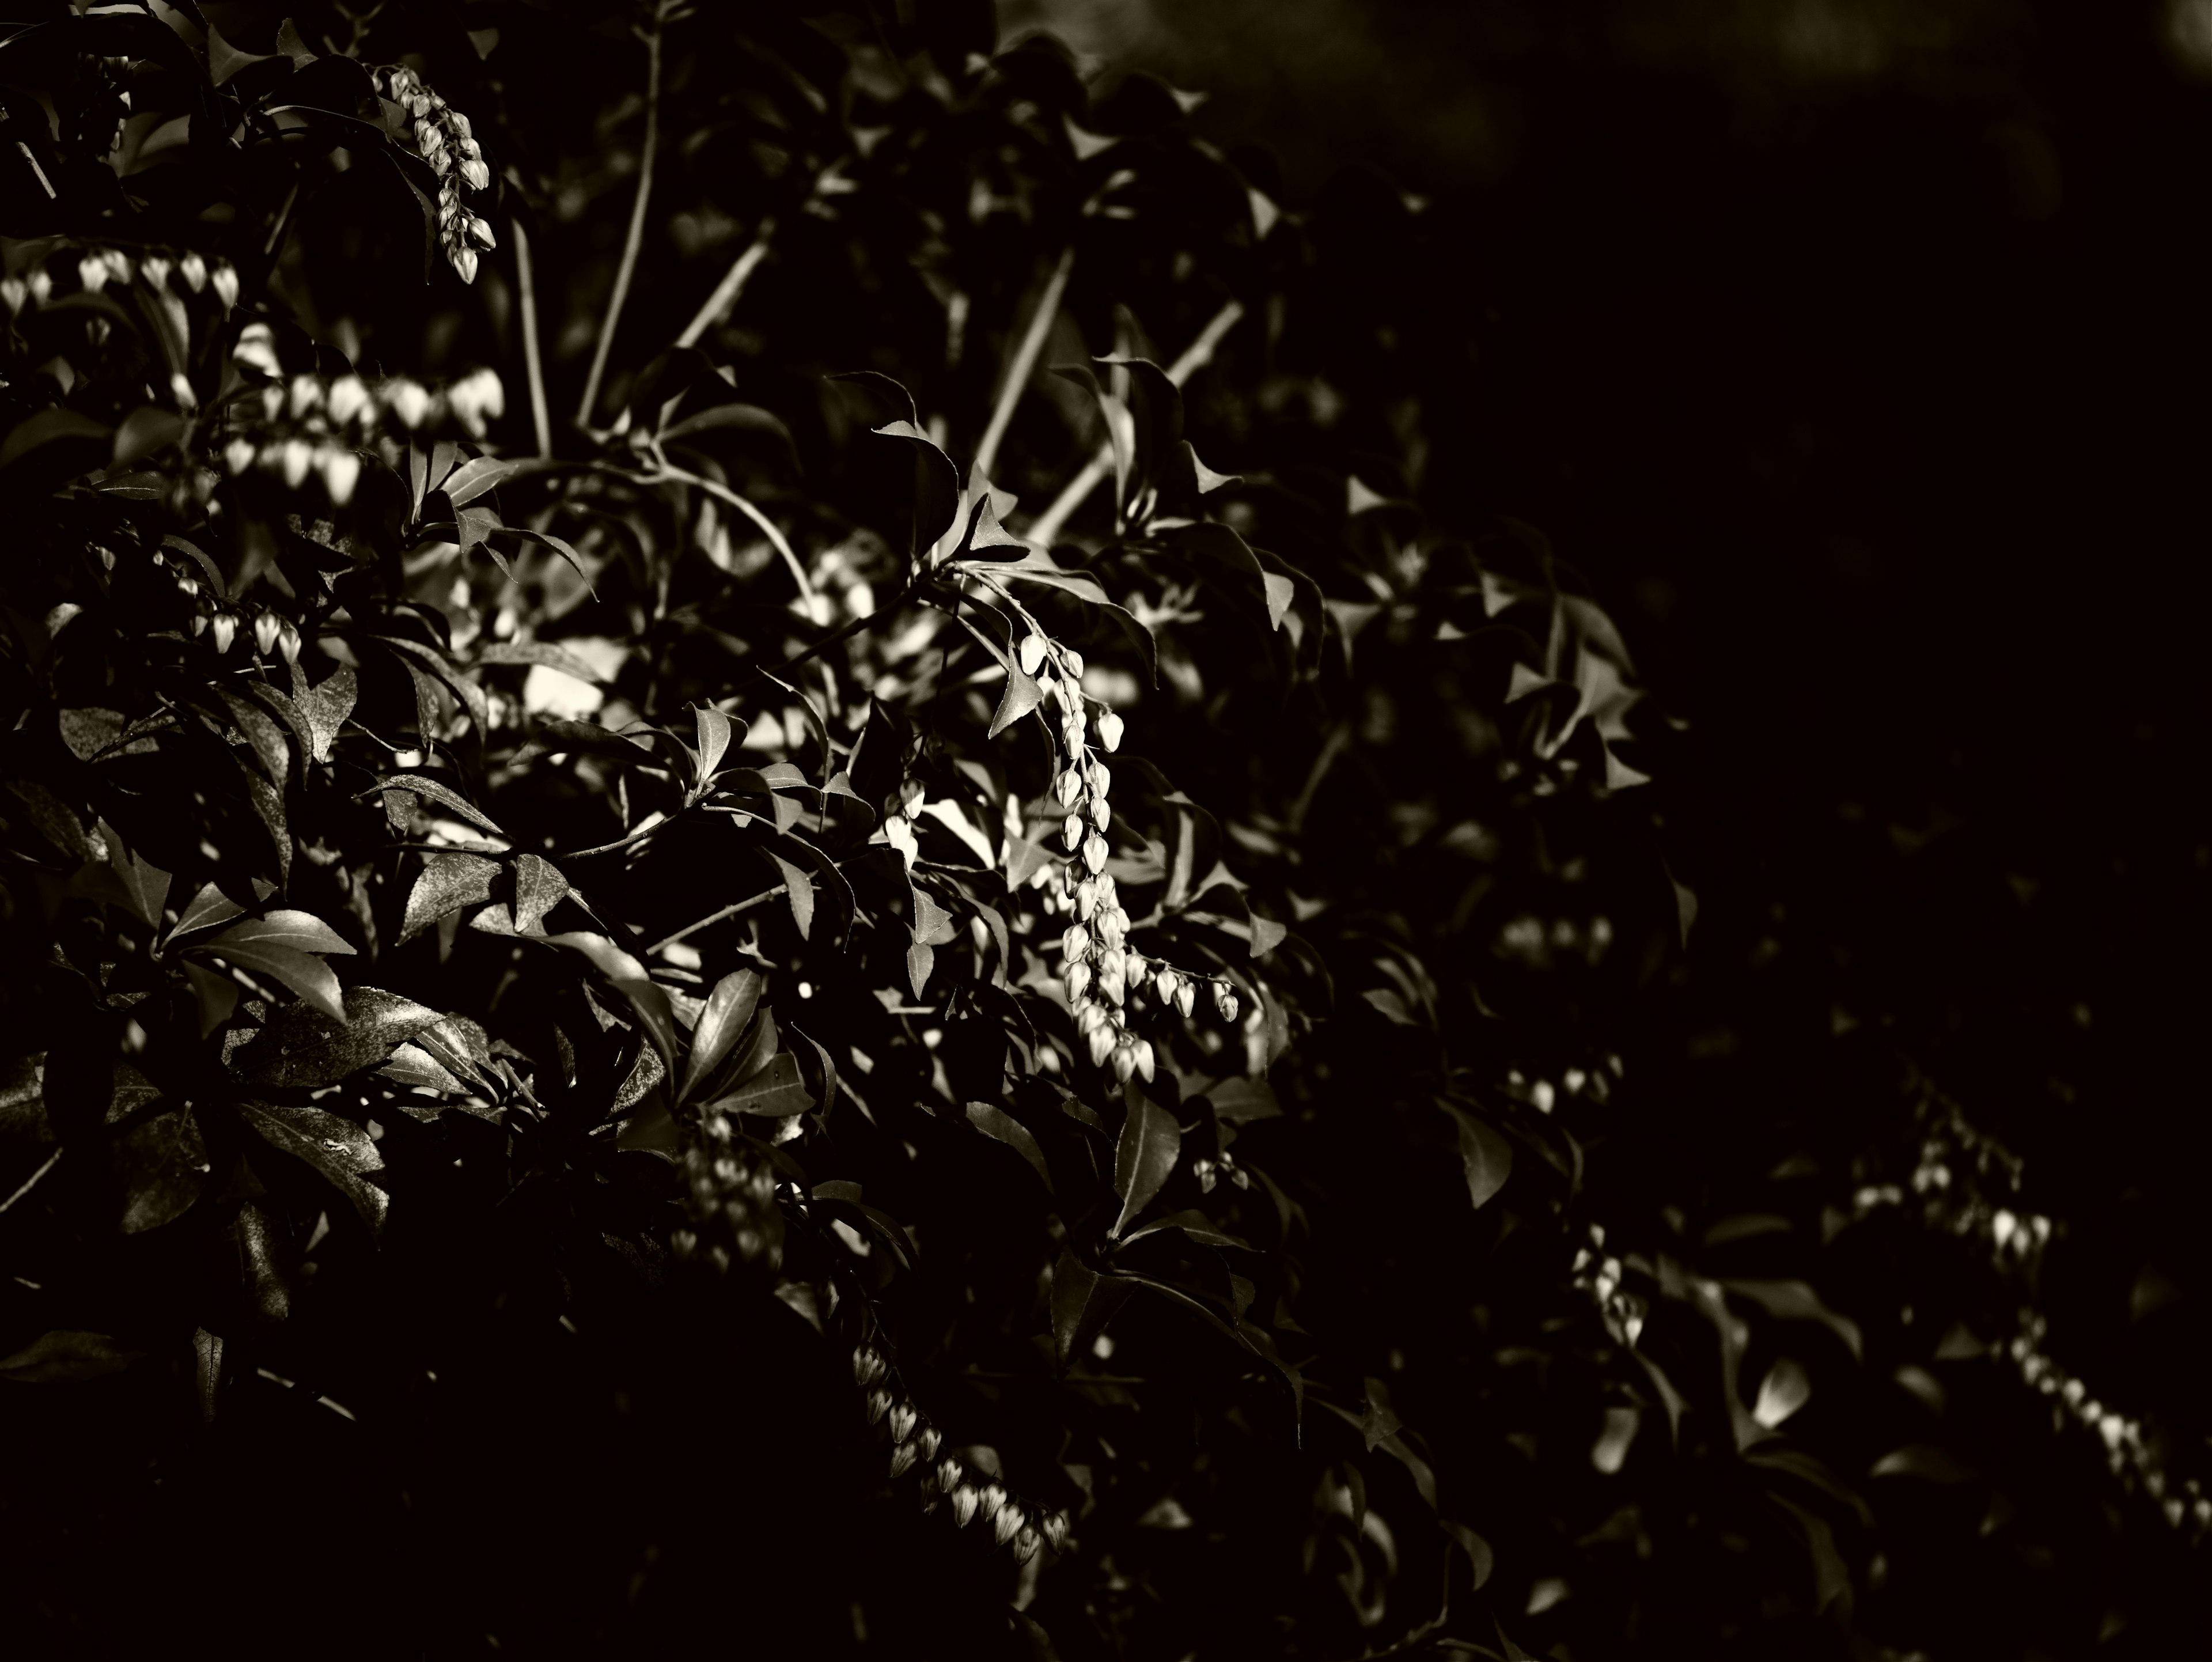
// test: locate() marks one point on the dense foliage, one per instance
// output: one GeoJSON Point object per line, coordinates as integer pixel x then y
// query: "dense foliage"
{"type": "Point", "coordinates": [701, 938]}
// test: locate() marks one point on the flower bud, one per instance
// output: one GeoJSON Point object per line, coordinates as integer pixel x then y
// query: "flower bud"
{"type": "Point", "coordinates": [299, 457]}
{"type": "Point", "coordinates": [477, 172]}
{"type": "Point", "coordinates": [1204, 1172]}
{"type": "Point", "coordinates": [1186, 997]}
{"type": "Point", "coordinates": [265, 632]}
{"type": "Point", "coordinates": [902, 1421]}
{"type": "Point", "coordinates": [1025, 1543]}
{"type": "Point", "coordinates": [1112, 987]}
{"type": "Point", "coordinates": [15, 291]}
{"type": "Point", "coordinates": [1079, 979]}
{"type": "Point", "coordinates": [225, 631]}
{"type": "Point", "coordinates": [1076, 943]}
{"type": "Point", "coordinates": [1145, 1062]}
{"type": "Point", "coordinates": [1072, 832]}
{"type": "Point", "coordinates": [222, 278]}
{"type": "Point", "coordinates": [1102, 1044]}
{"type": "Point", "coordinates": [925, 1441]}
{"type": "Point", "coordinates": [1073, 660]}
{"type": "Point", "coordinates": [193, 270]}
{"type": "Point", "coordinates": [1086, 898]}
{"type": "Point", "coordinates": [92, 272]}
{"type": "Point", "coordinates": [879, 1404]}
{"type": "Point", "coordinates": [341, 471]}
{"type": "Point", "coordinates": [1125, 1061]}
{"type": "Point", "coordinates": [238, 454]}
{"type": "Point", "coordinates": [868, 1365]}
{"type": "Point", "coordinates": [406, 401]}
{"type": "Point", "coordinates": [155, 268]}
{"type": "Point", "coordinates": [465, 263]}
{"type": "Point", "coordinates": [902, 1456]}
{"type": "Point", "coordinates": [1225, 1001]}
{"type": "Point", "coordinates": [1067, 786]}
{"type": "Point", "coordinates": [1100, 813]}
{"type": "Point", "coordinates": [1055, 1530]}
{"type": "Point", "coordinates": [1109, 731]}
{"type": "Point", "coordinates": [683, 1243]}
{"type": "Point", "coordinates": [1090, 1016]}
{"type": "Point", "coordinates": [964, 1502]}
{"type": "Point", "coordinates": [1094, 851]}
{"type": "Point", "coordinates": [41, 284]}
{"type": "Point", "coordinates": [949, 1474]}
{"type": "Point", "coordinates": [288, 642]}
{"type": "Point", "coordinates": [480, 233]}
{"type": "Point", "coordinates": [1100, 777]}
{"type": "Point", "coordinates": [306, 394]}
{"type": "Point", "coordinates": [1032, 654]}
{"type": "Point", "coordinates": [1163, 984]}
{"type": "Point", "coordinates": [1009, 1523]}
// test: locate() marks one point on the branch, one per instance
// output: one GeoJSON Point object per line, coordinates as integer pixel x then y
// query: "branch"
{"type": "Point", "coordinates": [717, 304]}
{"type": "Point", "coordinates": [713, 918]}
{"type": "Point", "coordinates": [1024, 361]}
{"type": "Point", "coordinates": [628, 265]}
{"type": "Point", "coordinates": [672, 474]}
{"type": "Point", "coordinates": [541, 420]}
{"type": "Point", "coordinates": [1047, 525]}
{"type": "Point", "coordinates": [32, 1182]}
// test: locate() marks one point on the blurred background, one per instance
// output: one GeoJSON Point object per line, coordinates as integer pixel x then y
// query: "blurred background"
{"type": "Point", "coordinates": [1856, 351]}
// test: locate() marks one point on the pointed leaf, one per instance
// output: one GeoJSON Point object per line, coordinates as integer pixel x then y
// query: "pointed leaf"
{"type": "Point", "coordinates": [210, 907]}
{"type": "Point", "coordinates": [729, 1010]}
{"type": "Point", "coordinates": [1487, 1156]}
{"type": "Point", "coordinates": [303, 1046]}
{"type": "Point", "coordinates": [1021, 696]}
{"type": "Point", "coordinates": [336, 1147]}
{"type": "Point", "coordinates": [995, 1121]}
{"type": "Point", "coordinates": [1083, 1302]}
{"type": "Point", "coordinates": [777, 1090]}
{"type": "Point", "coordinates": [444, 794]}
{"type": "Point", "coordinates": [538, 887]}
{"type": "Point", "coordinates": [65, 1355]}
{"type": "Point", "coordinates": [448, 883]}
{"type": "Point", "coordinates": [714, 741]}
{"type": "Point", "coordinates": [798, 886]}
{"type": "Point", "coordinates": [1150, 1141]}
{"type": "Point", "coordinates": [307, 976]}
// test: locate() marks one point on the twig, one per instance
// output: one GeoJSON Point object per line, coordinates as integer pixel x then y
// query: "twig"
{"type": "Point", "coordinates": [1047, 525]}
{"type": "Point", "coordinates": [540, 418]}
{"type": "Point", "coordinates": [717, 304]}
{"type": "Point", "coordinates": [672, 474]}
{"type": "Point", "coordinates": [882, 614]}
{"type": "Point", "coordinates": [713, 918]}
{"type": "Point", "coordinates": [651, 37]}
{"type": "Point", "coordinates": [32, 1182]}
{"type": "Point", "coordinates": [1024, 361]}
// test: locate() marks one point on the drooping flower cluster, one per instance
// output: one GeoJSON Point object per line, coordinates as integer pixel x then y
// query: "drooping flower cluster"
{"type": "Point", "coordinates": [1599, 1275]}
{"type": "Point", "coordinates": [945, 1478]}
{"type": "Point", "coordinates": [316, 424]}
{"type": "Point", "coordinates": [443, 136]}
{"type": "Point", "coordinates": [1101, 971]}
{"type": "Point", "coordinates": [169, 281]}
{"type": "Point", "coordinates": [730, 1199]}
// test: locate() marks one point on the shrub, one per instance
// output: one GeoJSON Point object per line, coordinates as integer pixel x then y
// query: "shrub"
{"type": "Point", "coordinates": [703, 1013]}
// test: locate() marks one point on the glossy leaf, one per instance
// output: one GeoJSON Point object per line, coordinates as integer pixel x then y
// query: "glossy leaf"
{"type": "Point", "coordinates": [336, 1147]}
{"type": "Point", "coordinates": [995, 1121]}
{"type": "Point", "coordinates": [729, 1009]}
{"type": "Point", "coordinates": [303, 1046]}
{"type": "Point", "coordinates": [1146, 1152]}
{"type": "Point", "coordinates": [64, 1356]}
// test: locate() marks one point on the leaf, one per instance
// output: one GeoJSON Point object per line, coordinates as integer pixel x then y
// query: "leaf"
{"type": "Point", "coordinates": [1782, 1393]}
{"type": "Point", "coordinates": [64, 1356]}
{"type": "Point", "coordinates": [162, 1163]}
{"type": "Point", "coordinates": [776, 1090]}
{"type": "Point", "coordinates": [1220, 544]}
{"type": "Point", "coordinates": [613, 962]}
{"type": "Point", "coordinates": [1485, 1153]}
{"type": "Point", "coordinates": [1477, 1549]}
{"type": "Point", "coordinates": [654, 1009]}
{"type": "Point", "coordinates": [1924, 1460]}
{"type": "Point", "coordinates": [729, 1010]}
{"type": "Point", "coordinates": [1021, 696]}
{"type": "Point", "coordinates": [145, 885]}
{"type": "Point", "coordinates": [798, 886]}
{"type": "Point", "coordinates": [46, 428]}
{"type": "Point", "coordinates": [303, 1046]}
{"type": "Point", "coordinates": [412, 1065]}
{"type": "Point", "coordinates": [210, 907]}
{"type": "Point", "coordinates": [1378, 1422]}
{"type": "Point", "coordinates": [325, 706]}
{"type": "Point", "coordinates": [1796, 1300]}
{"type": "Point", "coordinates": [1831, 1582]}
{"type": "Point", "coordinates": [262, 735]}
{"type": "Point", "coordinates": [1236, 1098]}
{"type": "Point", "coordinates": [538, 887]}
{"type": "Point", "coordinates": [919, 958]}
{"type": "Point", "coordinates": [279, 945]}
{"type": "Point", "coordinates": [336, 1147]}
{"type": "Point", "coordinates": [714, 741]}
{"type": "Point", "coordinates": [540, 652]}
{"type": "Point", "coordinates": [448, 883]}
{"type": "Point", "coordinates": [936, 486]}
{"type": "Point", "coordinates": [996, 1122]}
{"type": "Point", "coordinates": [445, 795]}
{"type": "Point", "coordinates": [1083, 1302]}
{"type": "Point", "coordinates": [476, 476]}
{"type": "Point", "coordinates": [1192, 1226]}
{"type": "Point", "coordinates": [1150, 1143]}
{"type": "Point", "coordinates": [1039, 567]}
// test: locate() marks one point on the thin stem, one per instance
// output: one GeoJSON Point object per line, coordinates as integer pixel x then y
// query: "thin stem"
{"type": "Point", "coordinates": [845, 632]}
{"type": "Point", "coordinates": [717, 304]}
{"type": "Point", "coordinates": [1024, 361]}
{"type": "Point", "coordinates": [651, 37]}
{"type": "Point", "coordinates": [540, 417]}
{"type": "Point", "coordinates": [672, 474]}
{"type": "Point", "coordinates": [32, 1182]}
{"type": "Point", "coordinates": [1047, 525]}
{"type": "Point", "coordinates": [713, 918]}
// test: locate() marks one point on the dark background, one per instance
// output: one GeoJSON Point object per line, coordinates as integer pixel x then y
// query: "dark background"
{"type": "Point", "coordinates": [1854, 350]}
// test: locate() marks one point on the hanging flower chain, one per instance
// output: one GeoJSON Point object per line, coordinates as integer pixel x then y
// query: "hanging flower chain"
{"type": "Point", "coordinates": [443, 134]}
